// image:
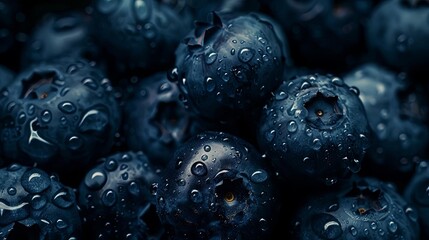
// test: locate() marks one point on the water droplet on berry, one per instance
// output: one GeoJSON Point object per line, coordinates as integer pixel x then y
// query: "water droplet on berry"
{"type": "Point", "coordinates": [264, 224]}
{"type": "Point", "coordinates": [111, 165]}
{"type": "Point", "coordinates": [199, 169]}
{"type": "Point", "coordinates": [317, 144]}
{"type": "Point", "coordinates": [269, 135]}
{"type": "Point", "coordinates": [134, 188]}
{"type": "Point", "coordinates": [326, 226]}
{"type": "Point", "coordinates": [61, 224]}
{"type": "Point", "coordinates": [353, 230]}
{"type": "Point", "coordinates": [412, 215]}
{"type": "Point", "coordinates": [207, 148]}
{"type": "Point", "coordinates": [259, 176]}
{"type": "Point", "coordinates": [90, 83]}
{"type": "Point", "coordinates": [246, 54]}
{"type": "Point", "coordinates": [196, 196]}
{"type": "Point", "coordinates": [74, 143]}
{"type": "Point", "coordinates": [67, 107]}
{"type": "Point", "coordinates": [11, 191]}
{"type": "Point", "coordinates": [109, 198]}
{"type": "Point", "coordinates": [292, 126]}
{"type": "Point", "coordinates": [392, 226]}
{"type": "Point", "coordinates": [95, 179]}
{"type": "Point", "coordinates": [210, 57]}
{"type": "Point", "coordinates": [38, 202]}
{"type": "Point", "coordinates": [35, 181]}
{"type": "Point", "coordinates": [46, 116]}
{"type": "Point", "coordinates": [62, 199]}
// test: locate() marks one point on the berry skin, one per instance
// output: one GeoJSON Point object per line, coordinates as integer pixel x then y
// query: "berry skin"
{"type": "Point", "coordinates": [220, 187]}
{"type": "Point", "coordinates": [59, 115]}
{"type": "Point", "coordinates": [58, 35]}
{"type": "Point", "coordinates": [321, 32]}
{"type": "Point", "coordinates": [398, 112]}
{"type": "Point", "coordinates": [314, 129]}
{"type": "Point", "coordinates": [34, 205]}
{"type": "Point", "coordinates": [416, 193]}
{"type": "Point", "coordinates": [364, 208]}
{"type": "Point", "coordinates": [397, 34]}
{"type": "Point", "coordinates": [140, 36]}
{"type": "Point", "coordinates": [6, 76]}
{"type": "Point", "coordinates": [116, 194]}
{"type": "Point", "coordinates": [227, 67]}
{"type": "Point", "coordinates": [161, 123]}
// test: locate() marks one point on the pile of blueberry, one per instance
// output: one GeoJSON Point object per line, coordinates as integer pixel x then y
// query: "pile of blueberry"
{"type": "Point", "coordinates": [214, 119]}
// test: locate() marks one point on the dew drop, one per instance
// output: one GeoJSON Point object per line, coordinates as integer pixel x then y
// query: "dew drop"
{"type": "Point", "coordinates": [38, 202]}
{"type": "Point", "coordinates": [196, 196]}
{"type": "Point", "coordinates": [246, 54]}
{"type": "Point", "coordinates": [353, 231]}
{"type": "Point", "coordinates": [292, 126]}
{"type": "Point", "coordinates": [207, 148]}
{"type": "Point", "coordinates": [211, 57]}
{"type": "Point", "coordinates": [11, 191]}
{"type": "Point", "coordinates": [95, 179]}
{"type": "Point", "coordinates": [74, 143]}
{"type": "Point", "coordinates": [269, 135]}
{"type": "Point", "coordinates": [281, 95]}
{"type": "Point", "coordinates": [67, 107]}
{"type": "Point", "coordinates": [264, 224]}
{"type": "Point", "coordinates": [412, 215]}
{"type": "Point", "coordinates": [134, 188]}
{"type": "Point", "coordinates": [317, 144]}
{"type": "Point", "coordinates": [63, 199]}
{"type": "Point", "coordinates": [393, 226]}
{"type": "Point", "coordinates": [111, 165]}
{"type": "Point", "coordinates": [46, 116]}
{"type": "Point", "coordinates": [90, 83]}
{"type": "Point", "coordinates": [210, 84]}
{"type": "Point", "coordinates": [199, 169]}
{"type": "Point", "coordinates": [35, 181]}
{"type": "Point", "coordinates": [61, 224]}
{"type": "Point", "coordinates": [109, 198]}
{"type": "Point", "coordinates": [259, 176]}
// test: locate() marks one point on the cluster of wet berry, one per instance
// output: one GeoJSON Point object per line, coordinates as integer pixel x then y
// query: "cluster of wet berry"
{"type": "Point", "coordinates": [231, 119]}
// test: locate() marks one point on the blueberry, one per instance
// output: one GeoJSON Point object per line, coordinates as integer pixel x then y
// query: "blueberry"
{"type": "Point", "coordinates": [116, 195]}
{"type": "Point", "coordinates": [161, 123]}
{"type": "Point", "coordinates": [58, 115]}
{"type": "Point", "coordinates": [59, 34]}
{"type": "Point", "coordinates": [139, 35]}
{"type": "Point", "coordinates": [225, 68]}
{"type": "Point", "coordinates": [321, 32]}
{"type": "Point", "coordinates": [416, 193]}
{"type": "Point", "coordinates": [365, 208]}
{"type": "Point", "coordinates": [35, 205]}
{"type": "Point", "coordinates": [397, 34]}
{"type": "Point", "coordinates": [218, 187]}
{"type": "Point", "coordinates": [6, 76]}
{"type": "Point", "coordinates": [314, 129]}
{"type": "Point", "coordinates": [398, 113]}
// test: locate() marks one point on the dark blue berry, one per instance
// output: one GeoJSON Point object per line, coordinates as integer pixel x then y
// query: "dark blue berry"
{"type": "Point", "coordinates": [35, 205]}
{"type": "Point", "coordinates": [226, 67]}
{"type": "Point", "coordinates": [155, 120]}
{"type": "Point", "coordinates": [59, 115]}
{"type": "Point", "coordinates": [364, 208]}
{"type": "Point", "coordinates": [219, 186]}
{"type": "Point", "coordinates": [398, 113]}
{"type": "Point", "coordinates": [314, 129]}
{"type": "Point", "coordinates": [397, 34]}
{"type": "Point", "coordinates": [115, 196]}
